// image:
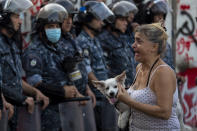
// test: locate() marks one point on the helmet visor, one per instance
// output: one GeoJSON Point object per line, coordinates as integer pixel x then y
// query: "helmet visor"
{"type": "Point", "coordinates": [17, 6]}
{"type": "Point", "coordinates": [102, 12]}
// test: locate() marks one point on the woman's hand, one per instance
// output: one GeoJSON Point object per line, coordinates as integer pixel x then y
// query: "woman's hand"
{"type": "Point", "coordinates": [122, 94]}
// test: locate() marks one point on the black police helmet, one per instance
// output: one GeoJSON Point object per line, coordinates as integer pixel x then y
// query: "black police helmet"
{"type": "Point", "coordinates": [123, 8]}
{"type": "Point", "coordinates": [52, 13]}
{"type": "Point", "coordinates": [153, 8]}
{"type": "Point", "coordinates": [67, 5]}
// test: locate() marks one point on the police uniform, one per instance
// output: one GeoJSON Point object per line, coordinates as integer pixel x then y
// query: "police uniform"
{"type": "Point", "coordinates": [168, 56]}
{"type": "Point", "coordinates": [130, 39]}
{"type": "Point", "coordinates": [42, 63]}
{"type": "Point", "coordinates": [130, 34]}
{"type": "Point", "coordinates": [93, 57]}
{"type": "Point", "coordinates": [1, 102]}
{"type": "Point", "coordinates": [11, 75]}
{"type": "Point", "coordinates": [105, 113]}
{"type": "Point", "coordinates": [119, 55]}
{"type": "Point", "coordinates": [11, 70]}
{"type": "Point", "coordinates": [80, 77]}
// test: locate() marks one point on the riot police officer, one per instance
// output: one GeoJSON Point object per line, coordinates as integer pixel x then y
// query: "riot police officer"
{"type": "Point", "coordinates": [68, 24]}
{"type": "Point", "coordinates": [72, 50]}
{"type": "Point", "coordinates": [129, 34]}
{"type": "Point", "coordinates": [11, 68]}
{"type": "Point", "coordinates": [118, 55]}
{"type": "Point", "coordinates": [156, 11]}
{"type": "Point", "coordinates": [1, 103]}
{"type": "Point", "coordinates": [43, 63]}
{"type": "Point", "coordinates": [131, 24]}
{"type": "Point", "coordinates": [91, 20]}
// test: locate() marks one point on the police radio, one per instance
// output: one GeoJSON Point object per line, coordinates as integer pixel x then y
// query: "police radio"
{"type": "Point", "coordinates": [70, 66]}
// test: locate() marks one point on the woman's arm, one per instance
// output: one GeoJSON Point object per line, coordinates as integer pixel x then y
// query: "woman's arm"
{"type": "Point", "coordinates": [164, 86]}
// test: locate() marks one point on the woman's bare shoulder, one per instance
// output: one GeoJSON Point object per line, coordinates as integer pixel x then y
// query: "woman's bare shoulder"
{"type": "Point", "coordinates": [165, 73]}
{"type": "Point", "coordinates": [165, 69]}
{"type": "Point", "coordinates": [165, 77]}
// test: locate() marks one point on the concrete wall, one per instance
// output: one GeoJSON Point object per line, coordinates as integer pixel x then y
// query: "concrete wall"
{"type": "Point", "coordinates": [186, 57]}
{"type": "Point", "coordinates": [186, 42]}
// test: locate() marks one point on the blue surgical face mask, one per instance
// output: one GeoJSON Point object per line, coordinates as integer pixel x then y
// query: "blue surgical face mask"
{"type": "Point", "coordinates": [53, 35]}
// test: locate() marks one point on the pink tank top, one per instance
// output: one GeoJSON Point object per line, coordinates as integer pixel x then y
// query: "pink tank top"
{"type": "Point", "coordinates": [140, 121]}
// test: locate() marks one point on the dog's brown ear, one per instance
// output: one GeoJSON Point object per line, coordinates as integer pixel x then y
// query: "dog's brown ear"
{"type": "Point", "coordinates": [98, 84]}
{"type": "Point", "coordinates": [121, 78]}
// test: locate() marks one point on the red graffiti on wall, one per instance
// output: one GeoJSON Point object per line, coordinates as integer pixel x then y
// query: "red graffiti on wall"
{"type": "Point", "coordinates": [184, 7]}
{"type": "Point", "coordinates": [188, 58]}
{"type": "Point", "coordinates": [189, 96]}
{"type": "Point", "coordinates": [34, 10]}
{"type": "Point", "coordinates": [26, 40]}
{"type": "Point", "coordinates": [184, 45]}
{"type": "Point", "coordinates": [194, 35]}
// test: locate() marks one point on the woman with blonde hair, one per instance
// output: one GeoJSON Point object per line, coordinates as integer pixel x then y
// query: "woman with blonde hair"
{"type": "Point", "coordinates": [153, 95]}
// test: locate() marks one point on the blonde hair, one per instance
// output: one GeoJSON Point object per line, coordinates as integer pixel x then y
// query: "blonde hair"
{"type": "Point", "coordinates": [156, 34]}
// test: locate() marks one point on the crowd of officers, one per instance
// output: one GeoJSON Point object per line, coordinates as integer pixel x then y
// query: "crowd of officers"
{"type": "Point", "coordinates": [68, 50]}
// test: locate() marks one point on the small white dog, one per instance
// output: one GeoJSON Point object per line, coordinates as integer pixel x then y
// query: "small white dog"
{"type": "Point", "coordinates": [109, 89]}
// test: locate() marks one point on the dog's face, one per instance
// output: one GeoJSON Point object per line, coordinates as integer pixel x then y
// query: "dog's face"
{"type": "Point", "coordinates": [109, 87]}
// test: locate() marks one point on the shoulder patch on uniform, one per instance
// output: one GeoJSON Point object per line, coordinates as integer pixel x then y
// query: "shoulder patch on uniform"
{"type": "Point", "coordinates": [105, 54]}
{"type": "Point", "coordinates": [86, 52]}
{"type": "Point", "coordinates": [33, 62]}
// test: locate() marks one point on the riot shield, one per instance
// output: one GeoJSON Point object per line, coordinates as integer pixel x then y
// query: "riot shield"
{"type": "Point", "coordinates": [109, 117]}
{"type": "Point", "coordinates": [88, 116]}
{"type": "Point", "coordinates": [4, 121]}
{"type": "Point", "coordinates": [27, 121]}
{"type": "Point", "coordinates": [71, 116]}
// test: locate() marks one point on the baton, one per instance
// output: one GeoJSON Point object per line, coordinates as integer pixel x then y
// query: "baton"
{"type": "Point", "coordinates": [35, 102]}
{"type": "Point", "coordinates": [86, 98]}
